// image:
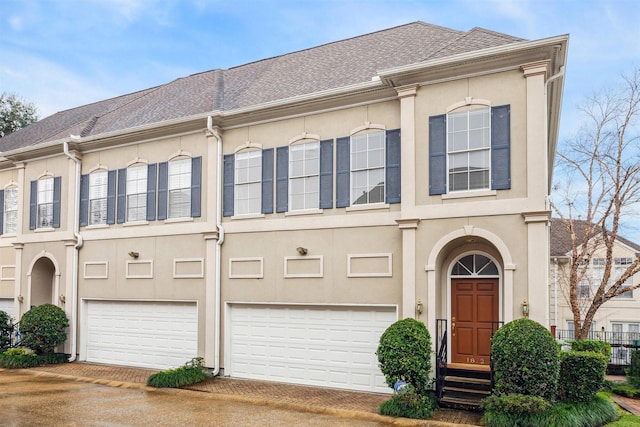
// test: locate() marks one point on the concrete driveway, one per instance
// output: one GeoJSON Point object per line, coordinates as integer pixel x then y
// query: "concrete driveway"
{"type": "Point", "coordinates": [27, 400]}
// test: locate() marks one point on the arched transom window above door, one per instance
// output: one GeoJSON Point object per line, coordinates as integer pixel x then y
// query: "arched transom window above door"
{"type": "Point", "coordinates": [474, 265]}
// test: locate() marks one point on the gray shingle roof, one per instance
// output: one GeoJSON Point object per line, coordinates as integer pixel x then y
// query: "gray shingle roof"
{"type": "Point", "coordinates": [330, 66]}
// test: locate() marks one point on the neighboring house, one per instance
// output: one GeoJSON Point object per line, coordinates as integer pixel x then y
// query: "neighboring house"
{"type": "Point", "coordinates": [618, 318]}
{"type": "Point", "coordinates": [275, 217]}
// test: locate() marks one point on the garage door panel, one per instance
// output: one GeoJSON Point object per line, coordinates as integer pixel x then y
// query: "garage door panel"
{"type": "Point", "coordinates": [147, 334]}
{"type": "Point", "coordinates": [325, 346]}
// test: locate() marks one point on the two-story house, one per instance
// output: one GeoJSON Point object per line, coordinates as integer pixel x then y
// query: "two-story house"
{"type": "Point", "coordinates": [275, 217]}
{"type": "Point", "coordinates": [616, 321]}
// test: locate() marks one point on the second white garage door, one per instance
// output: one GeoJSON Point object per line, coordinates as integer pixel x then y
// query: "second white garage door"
{"type": "Point", "coordinates": [6, 305]}
{"type": "Point", "coordinates": [146, 334]}
{"type": "Point", "coordinates": [329, 346]}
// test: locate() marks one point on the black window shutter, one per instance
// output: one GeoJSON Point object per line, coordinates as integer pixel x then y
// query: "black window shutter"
{"type": "Point", "coordinates": [163, 189]}
{"type": "Point", "coordinates": [267, 181]}
{"type": "Point", "coordinates": [122, 196]}
{"type": "Point", "coordinates": [501, 147]}
{"type": "Point", "coordinates": [151, 191]}
{"type": "Point", "coordinates": [1, 211]}
{"type": "Point", "coordinates": [228, 199]}
{"type": "Point", "coordinates": [393, 166]}
{"type": "Point", "coordinates": [111, 197]}
{"type": "Point", "coordinates": [343, 172]}
{"type": "Point", "coordinates": [326, 174]}
{"type": "Point", "coordinates": [57, 187]}
{"type": "Point", "coordinates": [84, 200]}
{"type": "Point", "coordinates": [438, 154]}
{"type": "Point", "coordinates": [33, 205]}
{"type": "Point", "coordinates": [282, 179]}
{"type": "Point", "coordinates": [196, 187]}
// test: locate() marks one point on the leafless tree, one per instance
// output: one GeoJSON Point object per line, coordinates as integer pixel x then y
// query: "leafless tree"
{"type": "Point", "coordinates": [597, 192]}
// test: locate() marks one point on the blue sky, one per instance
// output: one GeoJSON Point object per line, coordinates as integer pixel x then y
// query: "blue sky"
{"type": "Point", "coordinates": [61, 54]}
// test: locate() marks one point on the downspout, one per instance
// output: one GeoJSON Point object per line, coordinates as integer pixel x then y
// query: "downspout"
{"type": "Point", "coordinates": [76, 249]}
{"type": "Point", "coordinates": [218, 304]}
{"type": "Point", "coordinates": [555, 291]}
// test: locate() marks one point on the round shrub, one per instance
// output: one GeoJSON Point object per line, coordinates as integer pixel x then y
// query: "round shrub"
{"type": "Point", "coordinates": [42, 328]}
{"type": "Point", "coordinates": [6, 329]}
{"type": "Point", "coordinates": [581, 375]}
{"type": "Point", "coordinates": [525, 359]}
{"type": "Point", "coordinates": [404, 353]}
{"type": "Point", "coordinates": [18, 357]}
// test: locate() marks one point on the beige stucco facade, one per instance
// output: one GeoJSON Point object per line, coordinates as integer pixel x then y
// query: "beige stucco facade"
{"type": "Point", "coordinates": [398, 256]}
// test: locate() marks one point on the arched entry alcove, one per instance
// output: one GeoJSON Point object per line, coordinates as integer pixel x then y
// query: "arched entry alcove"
{"type": "Point", "coordinates": [43, 282]}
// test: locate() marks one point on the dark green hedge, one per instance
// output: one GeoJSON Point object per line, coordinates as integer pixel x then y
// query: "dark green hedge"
{"type": "Point", "coordinates": [633, 372]}
{"type": "Point", "coordinates": [581, 375]}
{"type": "Point", "coordinates": [6, 329]}
{"type": "Point", "coordinates": [409, 405]}
{"type": "Point", "coordinates": [592, 345]}
{"type": "Point", "coordinates": [404, 353]}
{"type": "Point", "coordinates": [526, 360]}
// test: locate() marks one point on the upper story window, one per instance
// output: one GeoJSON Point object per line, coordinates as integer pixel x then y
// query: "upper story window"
{"type": "Point", "coordinates": [470, 150]}
{"type": "Point", "coordinates": [304, 176]}
{"type": "Point", "coordinates": [248, 183]}
{"type": "Point", "coordinates": [44, 203]}
{"type": "Point", "coordinates": [98, 190]}
{"type": "Point", "coordinates": [179, 188]}
{"type": "Point", "coordinates": [136, 193]}
{"type": "Point", "coordinates": [367, 168]}
{"type": "Point", "coordinates": [620, 266]}
{"type": "Point", "coordinates": [10, 214]}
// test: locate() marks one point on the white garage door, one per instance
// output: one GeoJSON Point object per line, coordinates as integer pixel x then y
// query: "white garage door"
{"type": "Point", "coordinates": [6, 305]}
{"type": "Point", "coordinates": [324, 346]}
{"type": "Point", "coordinates": [147, 334]}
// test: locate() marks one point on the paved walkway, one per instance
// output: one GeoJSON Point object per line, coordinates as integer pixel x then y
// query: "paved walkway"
{"type": "Point", "coordinates": [344, 403]}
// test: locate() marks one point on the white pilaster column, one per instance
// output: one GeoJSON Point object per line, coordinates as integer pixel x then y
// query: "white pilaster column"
{"type": "Point", "coordinates": [407, 96]}
{"type": "Point", "coordinates": [211, 240]}
{"type": "Point", "coordinates": [18, 293]}
{"type": "Point", "coordinates": [537, 149]}
{"type": "Point", "coordinates": [408, 228]}
{"type": "Point", "coordinates": [538, 265]}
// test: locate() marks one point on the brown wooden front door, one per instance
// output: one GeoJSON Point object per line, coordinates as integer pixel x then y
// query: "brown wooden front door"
{"type": "Point", "coordinates": [474, 307]}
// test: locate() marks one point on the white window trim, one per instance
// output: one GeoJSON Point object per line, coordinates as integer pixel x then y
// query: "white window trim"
{"type": "Point", "coordinates": [198, 275]}
{"type": "Point", "coordinates": [232, 261]}
{"type": "Point", "coordinates": [288, 275]}
{"type": "Point", "coordinates": [388, 273]}
{"type": "Point", "coordinates": [96, 263]}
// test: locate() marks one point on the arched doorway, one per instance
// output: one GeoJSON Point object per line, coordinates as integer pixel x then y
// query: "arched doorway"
{"type": "Point", "coordinates": [42, 282]}
{"type": "Point", "coordinates": [475, 302]}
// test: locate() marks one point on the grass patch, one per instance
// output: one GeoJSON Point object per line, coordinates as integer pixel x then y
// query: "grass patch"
{"type": "Point", "coordinates": [597, 412]}
{"type": "Point", "coordinates": [626, 390]}
{"type": "Point", "coordinates": [626, 420]}
{"type": "Point", "coordinates": [191, 373]}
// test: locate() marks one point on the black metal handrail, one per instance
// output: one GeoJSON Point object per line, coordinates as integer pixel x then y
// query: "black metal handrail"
{"type": "Point", "coordinates": [622, 343]}
{"type": "Point", "coordinates": [441, 357]}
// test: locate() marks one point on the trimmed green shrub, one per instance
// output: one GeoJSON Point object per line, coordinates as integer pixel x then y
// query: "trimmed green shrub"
{"type": "Point", "coordinates": [626, 390]}
{"type": "Point", "coordinates": [515, 404]}
{"type": "Point", "coordinates": [525, 359]}
{"type": "Point", "coordinates": [42, 328]}
{"type": "Point", "coordinates": [581, 375]}
{"type": "Point", "coordinates": [409, 404]}
{"type": "Point", "coordinates": [6, 329]}
{"type": "Point", "coordinates": [404, 353]}
{"type": "Point", "coordinates": [633, 372]}
{"type": "Point", "coordinates": [19, 357]}
{"type": "Point", "coordinates": [53, 358]}
{"type": "Point", "coordinates": [596, 412]}
{"type": "Point", "coordinates": [592, 345]}
{"type": "Point", "coordinates": [191, 373]}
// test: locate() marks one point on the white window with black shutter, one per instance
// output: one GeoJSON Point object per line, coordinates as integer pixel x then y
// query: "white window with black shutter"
{"type": "Point", "coordinates": [44, 203]}
{"type": "Point", "coordinates": [180, 188]}
{"type": "Point", "coordinates": [136, 193]}
{"type": "Point", "coordinates": [248, 183]}
{"type": "Point", "coordinates": [368, 169]}
{"type": "Point", "coordinates": [470, 150]}
{"type": "Point", "coordinates": [97, 198]}
{"type": "Point", "coordinates": [9, 210]}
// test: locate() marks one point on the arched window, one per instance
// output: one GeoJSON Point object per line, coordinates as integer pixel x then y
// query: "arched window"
{"type": "Point", "coordinates": [474, 265]}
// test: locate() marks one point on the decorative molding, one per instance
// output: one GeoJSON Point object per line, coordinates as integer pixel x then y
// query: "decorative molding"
{"type": "Point", "coordinates": [303, 136]}
{"type": "Point", "coordinates": [367, 126]}
{"type": "Point", "coordinates": [91, 270]}
{"type": "Point", "coordinates": [469, 100]}
{"type": "Point", "coordinates": [256, 261]}
{"type": "Point", "coordinates": [131, 265]}
{"type": "Point", "coordinates": [5, 271]}
{"type": "Point", "coordinates": [305, 260]}
{"type": "Point", "coordinates": [535, 68]}
{"type": "Point", "coordinates": [382, 273]}
{"type": "Point", "coordinates": [247, 145]}
{"type": "Point", "coordinates": [408, 223]}
{"type": "Point", "coordinates": [198, 271]}
{"type": "Point", "coordinates": [537, 216]}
